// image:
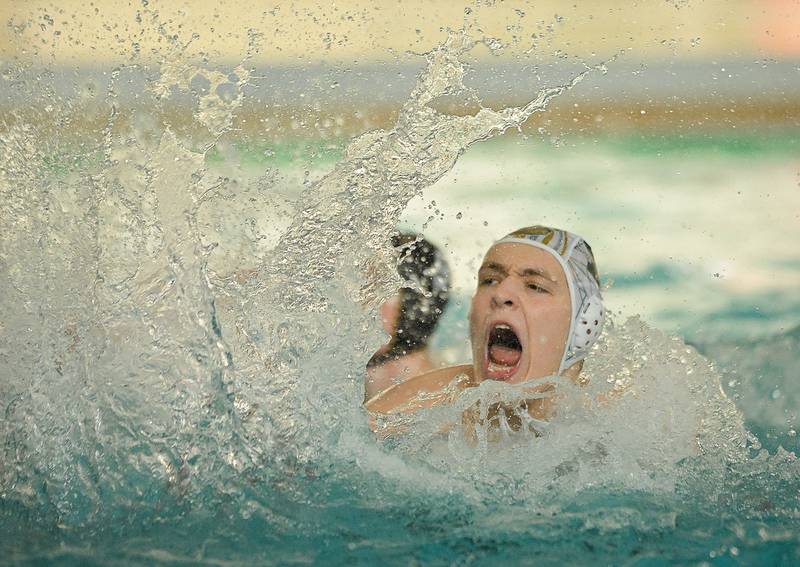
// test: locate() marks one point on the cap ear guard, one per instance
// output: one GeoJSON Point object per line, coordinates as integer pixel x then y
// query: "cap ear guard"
{"type": "Point", "coordinates": [588, 325]}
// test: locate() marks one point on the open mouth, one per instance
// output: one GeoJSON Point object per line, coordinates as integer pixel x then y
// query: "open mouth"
{"type": "Point", "coordinates": [503, 352]}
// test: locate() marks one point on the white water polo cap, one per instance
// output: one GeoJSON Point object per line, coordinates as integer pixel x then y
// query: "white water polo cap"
{"type": "Point", "coordinates": [576, 259]}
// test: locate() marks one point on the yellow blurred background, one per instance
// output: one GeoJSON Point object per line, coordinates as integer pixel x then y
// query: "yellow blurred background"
{"type": "Point", "coordinates": [348, 65]}
{"type": "Point", "coordinates": [359, 31]}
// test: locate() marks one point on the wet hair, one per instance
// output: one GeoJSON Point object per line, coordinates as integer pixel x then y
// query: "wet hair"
{"type": "Point", "coordinates": [422, 300]}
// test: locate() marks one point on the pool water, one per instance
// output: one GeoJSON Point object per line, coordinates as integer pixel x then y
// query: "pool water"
{"type": "Point", "coordinates": [184, 334]}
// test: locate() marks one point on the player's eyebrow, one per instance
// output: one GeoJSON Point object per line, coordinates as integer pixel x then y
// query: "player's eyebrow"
{"type": "Point", "coordinates": [495, 267]}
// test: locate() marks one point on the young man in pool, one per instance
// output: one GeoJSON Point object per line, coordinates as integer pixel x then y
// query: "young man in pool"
{"type": "Point", "coordinates": [535, 313]}
{"type": "Point", "coordinates": [411, 316]}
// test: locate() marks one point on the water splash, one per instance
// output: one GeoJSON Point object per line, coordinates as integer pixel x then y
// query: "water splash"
{"type": "Point", "coordinates": [344, 226]}
{"type": "Point", "coordinates": [648, 403]}
{"type": "Point", "coordinates": [127, 354]}
{"type": "Point", "coordinates": [143, 386]}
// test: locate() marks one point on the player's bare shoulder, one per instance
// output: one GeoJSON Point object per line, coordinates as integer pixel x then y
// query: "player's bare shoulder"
{"type": "Point", "coordinates": [425, 390]}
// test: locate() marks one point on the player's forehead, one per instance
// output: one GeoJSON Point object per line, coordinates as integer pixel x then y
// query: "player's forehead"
{"type": "Point", "coordinates": [512, 257]}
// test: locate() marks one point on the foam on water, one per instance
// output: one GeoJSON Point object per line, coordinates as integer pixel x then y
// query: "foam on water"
{"type": "Point", "coordinates": [650, 402]}
{"type": "Point", "coordinates": [147, 382]}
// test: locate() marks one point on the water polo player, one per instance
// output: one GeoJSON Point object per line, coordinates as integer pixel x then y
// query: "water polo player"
{"type": "Point", "coordinates": [536, 312]}
{"type": "Point", "coordinates": [411, 316]}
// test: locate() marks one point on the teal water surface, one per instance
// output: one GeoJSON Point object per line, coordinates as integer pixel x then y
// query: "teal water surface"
{"type": "Point", "coordinates": [653, 210]}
